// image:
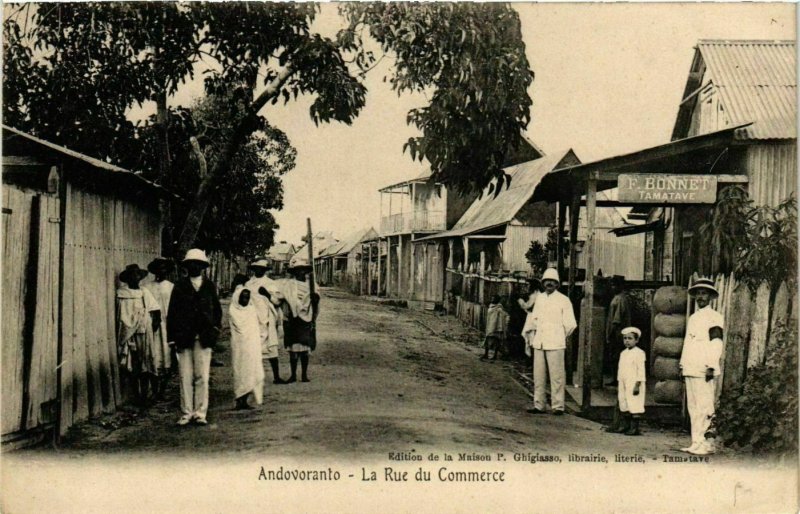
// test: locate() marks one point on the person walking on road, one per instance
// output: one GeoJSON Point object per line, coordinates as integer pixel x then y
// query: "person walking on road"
{"type": "Point", "coordinates": [194, 323]}
{"type": "Point", "coordinates": [300, 336]}
{"type": "Point", "coordinates": [700, 364]}
{"type": "Point", "coordinates": [248, 370]}
{"type": "Point", "coordinates": [554, 322]}
{"type": "Point", "coordinates": [267, 298]}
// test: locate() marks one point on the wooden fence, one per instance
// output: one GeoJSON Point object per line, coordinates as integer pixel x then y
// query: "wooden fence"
{"type": "Point", "coordinates": [223, 269]}
{"type": "Point", "coordinates": [751, 320]}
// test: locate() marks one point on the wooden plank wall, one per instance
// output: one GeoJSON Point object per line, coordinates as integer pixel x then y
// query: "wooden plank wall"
{"type": "Point", "coordinates": [16, 252]}
{"type": "Point", "coordinates": [103, 234]}
{"type": "Point", "coordinates": [31, 234]}
{"type": "Point", "coordinates": [42, 382]}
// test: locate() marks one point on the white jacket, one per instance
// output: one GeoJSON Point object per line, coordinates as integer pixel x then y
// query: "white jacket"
{"type": "Point", "coordinates": [554, 320]}
{"type": "Point", "coordinates": [699, 351]}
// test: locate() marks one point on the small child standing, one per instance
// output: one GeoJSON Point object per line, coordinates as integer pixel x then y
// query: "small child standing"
{"type": "Point", "coordinates": [496, 323]}
{"type": "Point", "coordinates": [631, 378]}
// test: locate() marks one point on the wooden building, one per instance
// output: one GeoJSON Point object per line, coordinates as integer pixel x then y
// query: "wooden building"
{"type": "Point", "coordinates": [735, 126]}
{"type": "Point", "coordinates": [345, 260]}
{"type": "Point", "coordinates": [490, 241]}
{"type": "Point", "coordinates": [416, 208]}
{"type": "Point", "coordinates": [279, 255]}
{"type": "Point", "coordinates": [730, 83]}
{"type": "Point", "coordinates": [70, 225]}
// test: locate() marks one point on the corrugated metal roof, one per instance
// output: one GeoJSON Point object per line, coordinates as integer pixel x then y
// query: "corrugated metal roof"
{"type": "Point", "coordinates": [96, 163]}
{"type": "Point", "coordinates": [353, 239]}
{"type": "Point", "coordinates": [280, 251]}
{"type": "Point", "coordinates": [423, 177]}
{"type": "Point", "coordinates": [491, 211]}
{"type": "Point", "coordinates": [757, 82]}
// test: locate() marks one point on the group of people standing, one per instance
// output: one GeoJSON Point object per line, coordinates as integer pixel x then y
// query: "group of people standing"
{"type": "Point", "coordinates": [163, 326]}
{"type": "Point", "coordinates": [551, 320]}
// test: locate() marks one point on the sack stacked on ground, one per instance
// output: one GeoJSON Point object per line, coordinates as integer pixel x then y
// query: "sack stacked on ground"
{"type": "Point", "coordinates": [669, 326]}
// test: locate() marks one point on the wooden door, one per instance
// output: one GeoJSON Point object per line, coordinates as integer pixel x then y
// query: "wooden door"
{"type": "Point", "coordinates": [31, 245]}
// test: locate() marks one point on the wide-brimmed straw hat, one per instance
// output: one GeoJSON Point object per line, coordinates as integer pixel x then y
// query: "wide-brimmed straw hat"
{"type": "Point", "coordinates": [703, 283]}
{"type": "Point", "coordinates": [260, 262]}
{"type": "Point", "coordinates": [160, 263]}
{"type": "Point", "coordinates": [131, 271]}
{"type": "Point", "coordinates": [196, 255]}
{"type": "Point", "coordinates": [298, 261]}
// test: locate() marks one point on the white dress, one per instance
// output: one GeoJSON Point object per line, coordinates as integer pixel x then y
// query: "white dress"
{"type": "Point", "coordinates": [161, 291]}
{"type": "Point", "coordinates": [271, 315]}
{"type": "Point", "coordinates": [248, 370]}
{"type": "Point", "coordinates": [135, 338]}
{"type": "Point", "coordinates": [630, 371]}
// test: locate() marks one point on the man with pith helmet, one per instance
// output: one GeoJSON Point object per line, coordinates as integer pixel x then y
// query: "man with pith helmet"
{"type": "Point", "coordinates": [554, 321]}
{"type": "Point", "coordinates": [194, 323]}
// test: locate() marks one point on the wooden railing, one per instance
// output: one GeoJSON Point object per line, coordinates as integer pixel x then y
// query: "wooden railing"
{"type": "Point", "coordinates": [421, 220]}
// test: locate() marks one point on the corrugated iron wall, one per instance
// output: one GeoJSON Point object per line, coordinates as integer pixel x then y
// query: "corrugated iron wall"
{"type": "Point", "coordinates": [103, 234]}
{"type": "Point", "coordinates": [518, 241]}
{"type": "Point", "coordinates": [617, 255]}
{"type": "Point", "coordinates": [772, 169]}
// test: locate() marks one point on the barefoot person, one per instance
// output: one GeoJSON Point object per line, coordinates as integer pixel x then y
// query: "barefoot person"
{"type": "Point", "coordinates": [194, 323]}
{"type": "Point", "coordinates": [138, 317]}
{"type": "Point", "coordinates": [702, 349]}
{"type": "Point", "coordinates": [267, 297]}
{"type": "Point", "coordinates": [161, 289]}
{"type": "Point", "coordinates": [554, 322]}
{"type": "Point", "coordinates": [299, 330]}
{"type": "Point", "coordinates": [248, 370]}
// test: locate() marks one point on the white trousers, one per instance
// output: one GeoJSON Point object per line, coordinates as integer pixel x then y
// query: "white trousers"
{"type": "Point", "coordinates": [552, 362]}
{"type": "Point", "coordinates": [700, 403]}
{"type": "Point", "coordinates": [194, 366]}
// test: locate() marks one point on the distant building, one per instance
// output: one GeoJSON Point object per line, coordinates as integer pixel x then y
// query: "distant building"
{"type": "Point", "coordinates": [279, 255]}
{"type": "Point", "coordinates": [416, 208]}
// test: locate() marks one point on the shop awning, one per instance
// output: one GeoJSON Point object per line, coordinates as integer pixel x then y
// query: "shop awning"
{"type": "Point", "coordinates": [700, 155]}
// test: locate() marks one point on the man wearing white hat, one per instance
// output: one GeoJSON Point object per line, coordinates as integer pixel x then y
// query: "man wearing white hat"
{"type": "Point", "coordinates": [554, 321]}
{"type": "Point", "coordinates": [194, 323]}
{"type": "Point", "coordinates": [700, 363]}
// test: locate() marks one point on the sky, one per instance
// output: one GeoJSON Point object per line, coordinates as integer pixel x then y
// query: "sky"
{"type": "Point", "coordinates": [608, 80]}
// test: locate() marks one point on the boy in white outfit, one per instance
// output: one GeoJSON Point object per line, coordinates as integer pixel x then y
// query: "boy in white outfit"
{"type": "Point", "coordinates": [631, 379]}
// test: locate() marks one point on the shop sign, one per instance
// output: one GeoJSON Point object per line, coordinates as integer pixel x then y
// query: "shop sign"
{"type": "Point", "coordinates": [666, 189]}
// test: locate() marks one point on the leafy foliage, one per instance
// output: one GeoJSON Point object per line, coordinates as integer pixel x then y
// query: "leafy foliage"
{"type": "Point", "coordinates": [471, 57]}
{"type": "Point", "coordinates": [538, 255]}
{"type": "Point", "coordinates": [763, 415]}
{"type": "Point", "coordinates": [240, 221]}
{"type": "Point", "coordinates": [73, 70]}
{"type": "Point", "coordinates": [749, 240]}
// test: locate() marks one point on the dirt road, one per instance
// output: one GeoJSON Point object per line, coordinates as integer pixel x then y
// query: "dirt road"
{"type": "Point", "coordinates": [383, 379]}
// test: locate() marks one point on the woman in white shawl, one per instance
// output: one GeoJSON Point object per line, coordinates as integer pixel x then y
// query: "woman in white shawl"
{"type": "Point", "coordinates": [529, 329]}
{"type": "Point", "coordinates": [248, 370]}
{"type": "Point", "coordinates": [300, 336]}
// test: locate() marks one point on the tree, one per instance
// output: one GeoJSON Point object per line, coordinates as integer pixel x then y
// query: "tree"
{"type": "Point", "coordinates": [240, 221]}
{"type": "Point", "coordinates": [75, 70]}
